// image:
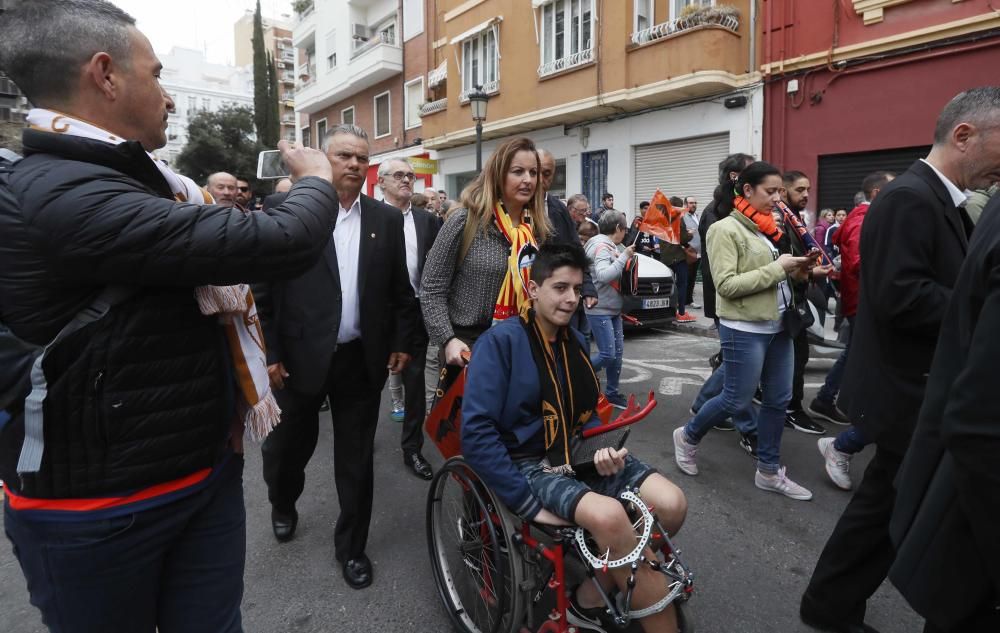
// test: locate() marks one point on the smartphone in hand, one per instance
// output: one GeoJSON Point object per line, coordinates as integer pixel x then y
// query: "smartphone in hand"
{"type": "Point", "coordinates": [270, 166]}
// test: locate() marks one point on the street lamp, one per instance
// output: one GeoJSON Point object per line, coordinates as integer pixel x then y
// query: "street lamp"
{"type": "Point", "coordinates": [477, 101]}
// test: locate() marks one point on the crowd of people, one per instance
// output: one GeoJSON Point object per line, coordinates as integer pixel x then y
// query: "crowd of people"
{"type": "Point", "coordinates": [163, 321]}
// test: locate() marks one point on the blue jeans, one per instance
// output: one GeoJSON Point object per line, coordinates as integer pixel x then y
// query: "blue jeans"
{"type": "Point", "coordinates": [831, 386]}
{"type": "Point", "coordinates": [610, 339]}
{"type": "Point", "coordinates": [748, 360]}
{"type": "Point", "coordinates": [852, 440]}
{"type": "Point", "coordinates": [681, 283]}
{"type": "Point", "coordinates": [745, 421]}
{"type": "Point", "coordinates": [175, 568]}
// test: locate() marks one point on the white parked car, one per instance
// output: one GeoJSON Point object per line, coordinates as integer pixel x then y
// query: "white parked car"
{"type": "Point", "coordinates": [656, 302]}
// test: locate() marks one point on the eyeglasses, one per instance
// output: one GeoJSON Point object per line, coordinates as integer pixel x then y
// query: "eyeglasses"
{"type": "Point", "coordinates": [399, 175]}
{"type": "Point", "coordinates": [244, 189]}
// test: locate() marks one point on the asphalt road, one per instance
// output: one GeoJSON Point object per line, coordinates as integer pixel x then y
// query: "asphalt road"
{"type": "Point", "coordinates": [752, 551]}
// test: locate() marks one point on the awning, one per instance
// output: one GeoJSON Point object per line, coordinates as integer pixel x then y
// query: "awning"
{"type": "Point", "coordinates": [479, 28]}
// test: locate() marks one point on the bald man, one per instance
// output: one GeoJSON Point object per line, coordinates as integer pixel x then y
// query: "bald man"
{"type": "Point", "coordinates": [283, 185]}
{"type": "Point", "coordinates": [222, 186]}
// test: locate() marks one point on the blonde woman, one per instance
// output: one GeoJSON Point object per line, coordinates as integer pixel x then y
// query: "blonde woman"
{"type": "Point", "coordinates": [474, 274]}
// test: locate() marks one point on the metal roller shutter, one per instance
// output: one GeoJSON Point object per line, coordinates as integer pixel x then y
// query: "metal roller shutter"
{"type": "Point", "coordinates": [680, 168]}
{"type": "Point", "coordinates": [841, 175]}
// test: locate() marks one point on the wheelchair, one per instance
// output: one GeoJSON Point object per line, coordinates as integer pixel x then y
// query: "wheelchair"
{"type": "Point", "coordinates": [497, 573]}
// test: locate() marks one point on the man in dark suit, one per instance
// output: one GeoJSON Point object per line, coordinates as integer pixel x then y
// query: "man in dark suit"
{"type": "Point", "coordinates": [913, 243]}
{"type": "Point", "coordinates": [948, 501]}
{"type": "Point", "coordinates": [420, 229]}
{"type": "Point", "coordinates": [332, 332]}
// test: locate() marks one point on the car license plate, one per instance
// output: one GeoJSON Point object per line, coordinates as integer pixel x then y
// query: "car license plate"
{"type": "Point", "coordinates": [656, 303]}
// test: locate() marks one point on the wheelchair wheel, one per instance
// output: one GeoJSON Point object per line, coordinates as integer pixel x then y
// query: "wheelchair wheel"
{"type": "Point", "coordinates": [477, 567]}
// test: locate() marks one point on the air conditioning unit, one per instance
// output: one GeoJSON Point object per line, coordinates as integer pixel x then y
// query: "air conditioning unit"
{"type": "Point", "coordinates": [359, 32]}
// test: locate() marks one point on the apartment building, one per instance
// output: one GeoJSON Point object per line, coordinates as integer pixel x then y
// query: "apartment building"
{"type": "Point", "coordinates": [365, 62]}
{"type": "Point", "coordinates": [628, 95]}
{"type": "Point", "coordinates": [196, 85]}
{"type": "Point", "coordinates": [277, 41]}
{"type": "Point", "coordinates": [857, 87]}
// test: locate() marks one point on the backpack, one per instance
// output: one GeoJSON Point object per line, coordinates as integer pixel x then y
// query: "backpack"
{"type": "Point", "coordinates": [22, 381]}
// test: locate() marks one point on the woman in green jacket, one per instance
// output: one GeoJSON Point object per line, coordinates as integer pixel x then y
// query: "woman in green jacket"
{"type": "Point", "coordinates": [751, 281]}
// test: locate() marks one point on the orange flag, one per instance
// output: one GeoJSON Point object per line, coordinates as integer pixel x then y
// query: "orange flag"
{"type": "Point", "coordinates": [662, 219]}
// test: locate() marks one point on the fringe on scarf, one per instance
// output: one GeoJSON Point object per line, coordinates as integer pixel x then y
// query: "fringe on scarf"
{"type": "Point", "coordinates": [221, 299]}
{"type": "Point", "coordinates": [260, 419]}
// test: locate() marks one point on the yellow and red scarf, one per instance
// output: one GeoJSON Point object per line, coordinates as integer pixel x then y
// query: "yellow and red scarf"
{"type": "Point", "coordinates": [514, 291]}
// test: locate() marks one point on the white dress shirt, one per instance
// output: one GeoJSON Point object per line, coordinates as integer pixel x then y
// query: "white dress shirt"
{"type": "Point", "coordinates": [347, 241]}
{"type": "Point", "coordinates": [957, 195]}
{"type": "Point", "coordinates": [410, 233]}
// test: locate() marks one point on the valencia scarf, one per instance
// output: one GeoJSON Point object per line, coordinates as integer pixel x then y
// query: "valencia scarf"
{"type": "Point", "coordinates": [764, 221]}
{"type": "Point", "coordinates": [568, 384]}
{"type": "Point", "coordinates": [234, 305]}
{"type": "Point", "coordinates": [514, 290]}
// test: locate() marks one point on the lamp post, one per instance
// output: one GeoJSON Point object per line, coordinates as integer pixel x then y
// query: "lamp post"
{"type": "Point", "coordinates": [477, 101]}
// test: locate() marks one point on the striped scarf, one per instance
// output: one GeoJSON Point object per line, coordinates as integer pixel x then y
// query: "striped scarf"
{"type": "Point", "coordinates": [514, 291]}
{"type": "Point", "coordinates": [232, 305]}
{"type": "Point", "coordinates": [764, 220]}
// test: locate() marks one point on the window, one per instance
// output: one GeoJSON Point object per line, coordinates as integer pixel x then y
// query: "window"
{"type": "Point", "coordinates": [347, 116]}
{"type": "Point", "coordinates": [192, 105]}
{"type": "Point", "coordinates": [206, 103]}
{"type": "Point", "coordinates": [382, 126]}
{"type": "Point", "coordinates": [644, 14]}
{"type": "Point", "coordinates": [320, 132]}
{"type": "Point", "coordinates": [413, 18]}
{"type": "Point", "coordinates": [414, 98]}
{"type": "Point", "coordinates": [677, 6]}
{"type": "Point", "coordinates": [565, 37]}
{"type": "Point", "coordinates": [386, 33]}
{"type": "Point", "coordinates": [481, 62]}
{"type": "Point", "coordinates": [331, 50]}
{"type": "Point", "coordinates": [306, 137]}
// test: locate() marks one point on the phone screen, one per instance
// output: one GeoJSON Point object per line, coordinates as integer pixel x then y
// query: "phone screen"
{"type": "Point", "coordinates": [270, 166]}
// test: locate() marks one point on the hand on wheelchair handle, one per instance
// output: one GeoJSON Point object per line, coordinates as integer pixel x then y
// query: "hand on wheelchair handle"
{"type": "Point", "coordinates": [609, 461]}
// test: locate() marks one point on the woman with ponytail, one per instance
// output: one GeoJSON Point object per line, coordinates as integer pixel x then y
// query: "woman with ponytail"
{"type": "Point", "coordinates": [751, 281]}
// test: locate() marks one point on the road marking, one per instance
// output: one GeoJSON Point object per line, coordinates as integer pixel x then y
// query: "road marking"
{"type": "Point", "coordinates": [673, 386]}
{"type": "Point", "coordinates": [641, 375]}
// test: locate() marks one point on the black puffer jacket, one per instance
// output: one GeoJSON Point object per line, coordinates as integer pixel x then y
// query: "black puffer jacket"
{"type": "Point", "coordinates": [145, 395]}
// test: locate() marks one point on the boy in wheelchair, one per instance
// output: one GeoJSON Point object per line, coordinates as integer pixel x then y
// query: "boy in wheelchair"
{"type": "Point", "coordinates": [528, 395]}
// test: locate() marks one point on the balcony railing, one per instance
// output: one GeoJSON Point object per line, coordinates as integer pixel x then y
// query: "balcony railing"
{"type": "Point", "coordinates": [437, 76]}
{"type": "Point", "coordinates": [381, 38]}
{"type": "Point", "coordinates": [576, 59]}
{"type": "Point", "coordinates": [663, 29]}
{"type": "Point", "coordinates": [431, 107]}
{"type": "Point", "coordinates": [490, 87]}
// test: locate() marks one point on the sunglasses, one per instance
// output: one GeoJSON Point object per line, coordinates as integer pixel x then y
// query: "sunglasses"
{"type": "Point", "coordinates": [244, 189]}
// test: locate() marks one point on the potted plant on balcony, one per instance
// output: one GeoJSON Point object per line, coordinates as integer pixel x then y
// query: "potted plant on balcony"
{"type": "Point", "coordinates": [302, 6]}
{"type": "Point", "coordinates": [722, 14]}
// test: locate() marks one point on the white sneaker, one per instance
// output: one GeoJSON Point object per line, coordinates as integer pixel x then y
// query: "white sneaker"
{"type": "Point", "coordinates": [684, 453]}
{"type": "Point", "coordinates": [778, 482]}
{"type": "Point", "coordinates": [838, 464]}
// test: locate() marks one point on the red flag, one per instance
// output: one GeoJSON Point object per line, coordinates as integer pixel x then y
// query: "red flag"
{"type": "Point", "coordinates": [662, 219]}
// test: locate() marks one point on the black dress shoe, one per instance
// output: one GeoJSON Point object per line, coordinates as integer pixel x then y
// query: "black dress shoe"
{"type": "Point", "coordinates": [419, 465]}
{"type": "Point", "coordinates": [283, 524]}
{"type": "Point", "coordinates": [834, 627]}
{"type": "Point", "coordinates": [358, 572]}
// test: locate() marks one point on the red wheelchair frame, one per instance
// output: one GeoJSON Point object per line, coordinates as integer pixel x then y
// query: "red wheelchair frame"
{"type": "Point", "coordinates": [486, 529]}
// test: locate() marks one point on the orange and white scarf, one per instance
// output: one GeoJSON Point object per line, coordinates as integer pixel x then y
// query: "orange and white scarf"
{"type": "Point", "coordinates": [234, 305]}
{"type": "Point", "coordinates": [514, 291]}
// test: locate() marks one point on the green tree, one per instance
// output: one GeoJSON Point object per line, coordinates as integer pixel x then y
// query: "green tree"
{"type": "Point", "coordinates": [220, 141]}
{"type": "Point", "coordinates": [265, 101]}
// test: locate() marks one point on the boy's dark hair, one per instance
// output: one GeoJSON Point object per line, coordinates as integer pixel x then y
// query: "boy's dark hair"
{"type": "Point", "coordinates": [675, 201]}
{"type": "Point", "coordinates": [644, 205]}
{"type": "Point", "coordinates": [607, 194]}
{"type": "Point", "coordinates": [554, 256]}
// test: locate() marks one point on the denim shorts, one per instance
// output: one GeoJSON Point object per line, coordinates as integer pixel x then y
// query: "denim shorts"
{"type": "Point", "coordinates": [560, 494]}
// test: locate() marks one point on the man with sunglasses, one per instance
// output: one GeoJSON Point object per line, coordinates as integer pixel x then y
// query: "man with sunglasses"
{"type": "Point", "coordinates": [244, 193]}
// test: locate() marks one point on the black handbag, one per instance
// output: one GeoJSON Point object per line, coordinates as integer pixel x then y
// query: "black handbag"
{"type": "Point", "coordinates": [797, 317]}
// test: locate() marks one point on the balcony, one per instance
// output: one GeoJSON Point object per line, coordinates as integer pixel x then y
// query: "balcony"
{"type": "Point", "coordinates": [361, 47]}
{"type": "Point", "coordinates": [431, 107]}
{"type": "Point", "coordinates": [723, 16]}
{"type": "Point", "coordinates": [304, 31]}
{"type": "Point", "coordinates": [490, 88]}
{"type": "Point", "coordinates": [370, 64]}
{"type": "Point", "coordinates": [288, 120]}
{"type": "Point", "coordinates": [565, 63]}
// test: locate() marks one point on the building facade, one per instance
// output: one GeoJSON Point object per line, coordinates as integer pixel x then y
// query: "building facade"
{"type": "Point", "coordinates": [857, 87]}
{"type": "Point", "coordinates": [364, 62]}
{"type": "Point", "coordinates": [278, 42]}
{"type": "Point", "coordinates": [195, 86]}
{"type": "Point", "coordinates": [628, 95]}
